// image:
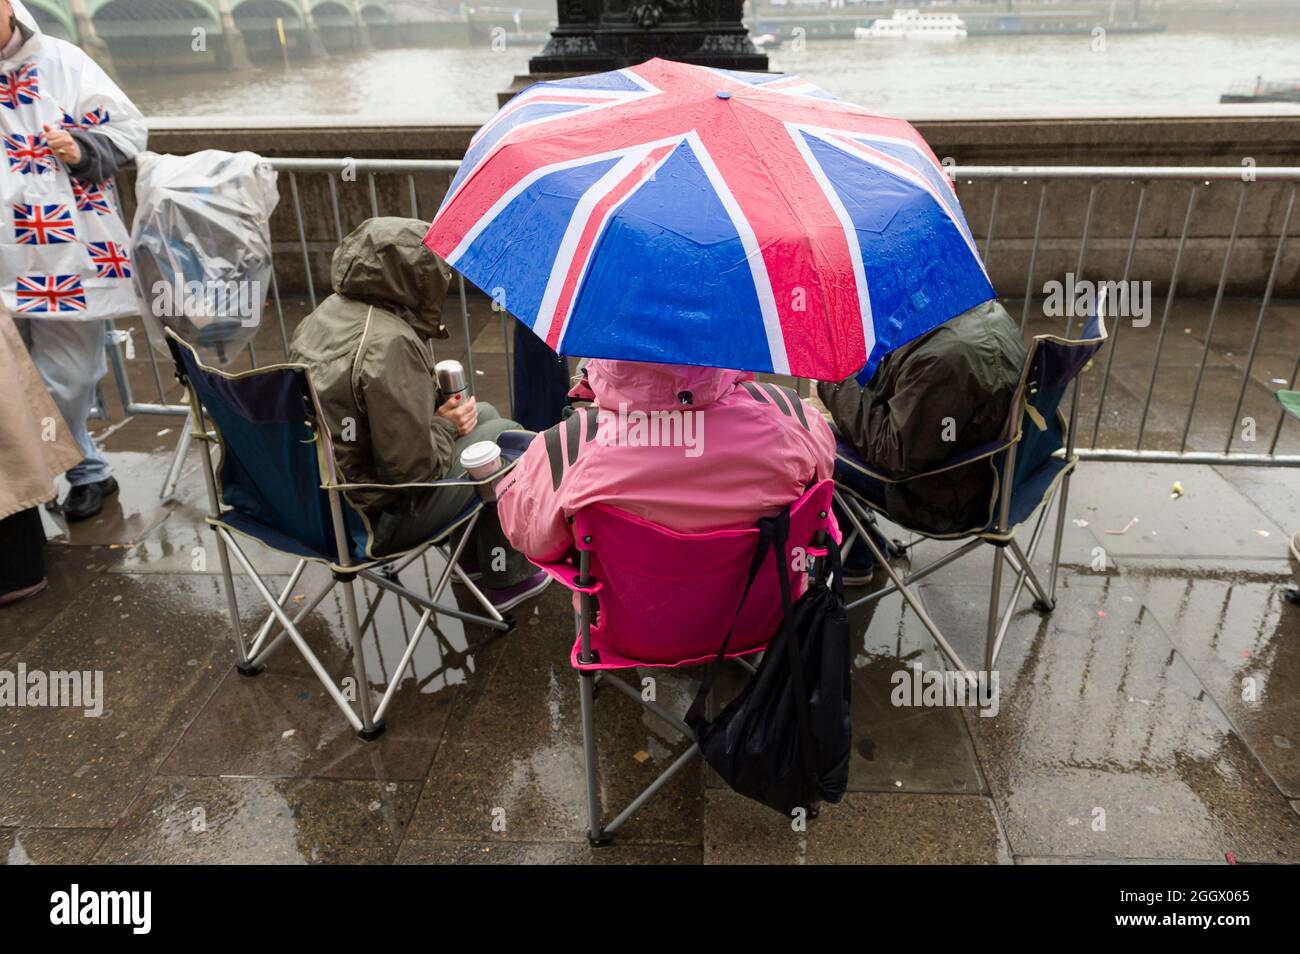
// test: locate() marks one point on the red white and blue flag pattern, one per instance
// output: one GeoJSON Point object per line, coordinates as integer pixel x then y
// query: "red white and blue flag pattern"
{"type": "Point", "coordinates": [50, 293]}
{"type": "Point", "coordinates": [94, 117]}
{"type": "Point", "coordinates": [94, 197]}
{"type": "Point", "coordinates": [64, 248]}
{"type": "Point", "coordinates": [29, 155]}
{"type": "Point", "coordinates": [47, 224]}
{"type": "Point", "coordinates": [21, 87]}
{"type": "Point", "coordinates": [689, 215]}
{"type": "Point", "coordinates": [110, 260]}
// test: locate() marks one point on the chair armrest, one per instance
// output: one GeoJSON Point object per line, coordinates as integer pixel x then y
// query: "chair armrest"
{"type": "Point", "coordinates": [845, 456]}
{"type": "Point", "coordinates": [513, 444]}
{"type": "Point", "coordinates": [566, 574]}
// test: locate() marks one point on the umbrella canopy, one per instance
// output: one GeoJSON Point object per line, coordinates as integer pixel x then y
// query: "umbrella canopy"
{"type": "Point", "coordinates": [689, 215]}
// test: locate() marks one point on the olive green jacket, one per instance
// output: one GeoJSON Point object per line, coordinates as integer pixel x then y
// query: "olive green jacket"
{"type": "Point", "coordinates": [944, 394]}
{"type": "Point", "coordinates": [369, 350]}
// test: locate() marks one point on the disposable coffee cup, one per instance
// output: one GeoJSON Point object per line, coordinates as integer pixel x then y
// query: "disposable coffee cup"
{"type": "Point", "coordinates": [481, 460]}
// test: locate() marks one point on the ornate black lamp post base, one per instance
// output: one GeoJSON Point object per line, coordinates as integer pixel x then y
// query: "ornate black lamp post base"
{"type": "Point", "coordinates": [594, 36]}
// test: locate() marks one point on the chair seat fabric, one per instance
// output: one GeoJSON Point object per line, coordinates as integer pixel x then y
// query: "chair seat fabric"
{"type": "Point", "coordinates": [667, 598]}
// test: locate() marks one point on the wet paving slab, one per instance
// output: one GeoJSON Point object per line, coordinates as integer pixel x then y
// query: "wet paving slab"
{"type": "Point", "coordinates": [864, 828]}
{"type": "Point", "coordinates": [70, 571]}
{"type": "Point", "coordinates": [511, 765]}
{"type": "Point", "coordinates": [1210, 517]}
{"type": "Point", "coordinates": [49, 846]}
{"type": "Point", "coordinates": [1107, 744]}
{"type": "Point", "coordinates": [902, 748]}
{"type": "Point", "coordinates": [151, 643]}
{"type": "Point", "coordinates": [543, 853]}
{"type": "Point", "coordinates": [262, 821]}
{"type": "Point", "coordinates": [281, 726]}
{"type": "Point", "coordinates": [1250, 660]}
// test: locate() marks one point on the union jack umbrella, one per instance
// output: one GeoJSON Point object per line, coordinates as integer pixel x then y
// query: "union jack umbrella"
{"type": "Point", "coordinates": [688, 215]}
{"type": "Point", "coordinates": [22, 87]}
{"type": "Point", "coordinates": [48, 224]}
{"type": "Point", "coordinates": [110, 260]}
{"type": "Point", "coordinates": [46, 293]}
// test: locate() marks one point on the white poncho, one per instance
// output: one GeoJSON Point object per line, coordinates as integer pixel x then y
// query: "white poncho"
{"type": "Point", "coordinates": [63, 245]}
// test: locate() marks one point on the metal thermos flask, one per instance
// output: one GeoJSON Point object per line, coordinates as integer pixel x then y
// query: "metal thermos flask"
{"type": "Point", "coordinates": [451, 380]}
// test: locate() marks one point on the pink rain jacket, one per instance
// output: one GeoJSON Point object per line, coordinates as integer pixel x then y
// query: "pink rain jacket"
{"type": "Point", "coordinates": [740, 450]}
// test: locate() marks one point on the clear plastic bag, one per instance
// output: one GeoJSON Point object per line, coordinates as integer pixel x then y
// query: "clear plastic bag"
{"type": "Point", "coordinates": [201, 247]}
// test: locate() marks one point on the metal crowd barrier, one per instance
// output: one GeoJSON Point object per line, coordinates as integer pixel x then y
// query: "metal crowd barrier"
{"type": "Point", "coordinates": [1143, 179]}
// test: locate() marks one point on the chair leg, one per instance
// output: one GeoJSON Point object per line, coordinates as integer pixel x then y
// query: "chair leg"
{"type": "Point", "coordinates": [595, 834]}
{"type": "Point", "coordinates": [242, 664]}
{"type": "Point", "coordinates": [370, 729]}
{"type": "Point", "coordinates": [178, 460]}
{"type": "Point", "coordinates": [1064, 499]}
{"type": "Point", "coordinates": [995, 594]}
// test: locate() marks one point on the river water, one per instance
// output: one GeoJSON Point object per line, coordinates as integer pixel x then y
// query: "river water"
{"type": "Point", "coordinates": [1024, 75]}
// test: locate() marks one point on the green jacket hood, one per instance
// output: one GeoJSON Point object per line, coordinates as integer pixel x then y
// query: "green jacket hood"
{"type": "Point", "coordinates": [384, 262]}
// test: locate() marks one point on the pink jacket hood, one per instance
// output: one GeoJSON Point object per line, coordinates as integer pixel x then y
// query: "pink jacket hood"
{"type": "Point", "coordinates": [653, 387]}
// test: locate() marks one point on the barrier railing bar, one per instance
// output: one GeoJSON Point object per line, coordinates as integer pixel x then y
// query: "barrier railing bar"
{"type": "Point", "coordinates": [279, 311]}
{"type": "Point", "coordinates": [993, 214]}
{"type": "Point", "coordinates": [1033, 258]}
{"type": "Point", "coordinates": [302, 239]}
{"type": "Point", "coordinates": [334, 204]}
{"type": "Point", "coordinates": [1093, 176]}
{"type": "Point", "coordinates": [1259, 322]}
{"type": "Point", "coordinates": [1169, 304]}
{"type": "Point", "coordinates": [1136, 173]}
{"type": "Point", "coordinates": [1113, 344]}
{"type": "Point", "coordinates": [469, 345]}
{"type": "Point", "coordinates": [1083, 253]}
{"type": "Point", "coordinates": [1214, 314]}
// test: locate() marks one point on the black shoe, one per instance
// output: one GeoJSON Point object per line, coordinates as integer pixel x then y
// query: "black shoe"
{"type": "Point", "coordinates": [87, 500]}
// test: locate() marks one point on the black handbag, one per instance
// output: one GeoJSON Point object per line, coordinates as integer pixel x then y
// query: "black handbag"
{"type": "Point", "coordinates": [785, 740]}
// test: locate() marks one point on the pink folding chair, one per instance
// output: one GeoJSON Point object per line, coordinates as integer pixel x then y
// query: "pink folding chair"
{"type": "Point", "coordinates": [645, 595]}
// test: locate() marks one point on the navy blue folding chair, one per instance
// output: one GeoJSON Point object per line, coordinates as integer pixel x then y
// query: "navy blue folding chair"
{"type": "Point", "coordinates": [278, 483]}
{"type": "Point", "coordinates": [1036, 450]}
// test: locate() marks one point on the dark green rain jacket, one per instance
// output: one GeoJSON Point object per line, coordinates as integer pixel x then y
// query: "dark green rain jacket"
{"type": "Point", "coordinates": [967, 369]}
{"type": "Point", "coordinates": [369, 348]}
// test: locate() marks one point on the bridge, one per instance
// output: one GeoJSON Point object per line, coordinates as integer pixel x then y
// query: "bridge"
{"type": "Point", "coordinates": [234, 34]}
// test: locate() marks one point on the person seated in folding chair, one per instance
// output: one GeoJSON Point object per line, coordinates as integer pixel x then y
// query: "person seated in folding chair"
{"type": "Point", "coordinates": [369, 350]}
{"type": "Point", "coordinates": [691, 449]}
{"type": "Point", "coordinates": [943, 394]}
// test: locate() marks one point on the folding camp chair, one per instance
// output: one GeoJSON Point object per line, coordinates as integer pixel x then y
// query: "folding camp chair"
{"type": "Point", "coordinates": [1036, 451]}
{"type": "Point", "coordinates": [278, 484]}
{"type": "Point", "coordinates": [650, 596]}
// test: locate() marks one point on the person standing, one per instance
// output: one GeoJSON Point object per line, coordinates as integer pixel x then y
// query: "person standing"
{"type": "Point", "coordinates": [35, 446]}
{"type": "Point", "coordinates": [65, 128]}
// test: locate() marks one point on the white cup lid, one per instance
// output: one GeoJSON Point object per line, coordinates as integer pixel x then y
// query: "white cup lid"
{"type": "Point", "coordinates": [479, 453]}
